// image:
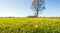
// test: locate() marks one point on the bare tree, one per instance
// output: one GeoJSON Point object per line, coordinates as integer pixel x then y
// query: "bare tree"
{"type": "Point", "coordinates": [37, 6]}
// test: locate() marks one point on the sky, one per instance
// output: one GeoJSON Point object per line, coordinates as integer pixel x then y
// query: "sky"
{"type": "Point", "coordinates": [22, 8]}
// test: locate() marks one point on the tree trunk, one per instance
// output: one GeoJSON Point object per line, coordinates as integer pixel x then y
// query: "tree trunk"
{"type": "Point", "coordinates": [36, 13]}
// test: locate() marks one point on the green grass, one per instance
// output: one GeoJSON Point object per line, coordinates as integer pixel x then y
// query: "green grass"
{"type": "Point", "coordinates": [30, 25]}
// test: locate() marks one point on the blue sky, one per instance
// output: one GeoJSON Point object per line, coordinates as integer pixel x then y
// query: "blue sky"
{"type": "Point", "coordinates": [22, 8]}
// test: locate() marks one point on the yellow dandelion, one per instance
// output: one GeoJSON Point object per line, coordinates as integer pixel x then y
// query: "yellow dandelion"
{"type": "Point", "coordinates": [0, 26]}
{"type": "Point", "coordinates": [4, 25]}
{"type": "Point", "coordinates": [36, 26]}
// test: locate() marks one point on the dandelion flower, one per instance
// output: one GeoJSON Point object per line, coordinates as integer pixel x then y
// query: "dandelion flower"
{"type": "Point", "coordinates": [36, 26]}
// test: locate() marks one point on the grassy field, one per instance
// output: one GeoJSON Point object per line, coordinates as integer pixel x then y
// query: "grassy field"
{"type": "Point", "coordinates": [30, 25]}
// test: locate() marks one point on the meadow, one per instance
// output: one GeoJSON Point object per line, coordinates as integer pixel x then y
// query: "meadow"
{"type": "Point", "coordinates": [30, 25]}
